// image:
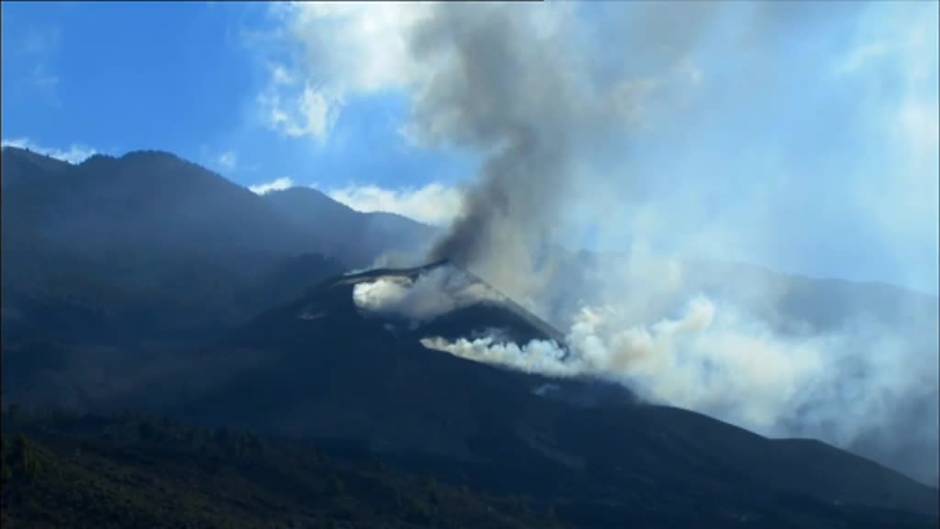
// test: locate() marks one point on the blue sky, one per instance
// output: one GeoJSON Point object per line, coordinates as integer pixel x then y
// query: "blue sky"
{"type": "Point", "coordinates": [802, 137]}
{"type": "Point", "coordinates": [184, 77]}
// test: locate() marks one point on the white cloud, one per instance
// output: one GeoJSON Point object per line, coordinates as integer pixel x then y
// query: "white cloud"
{"type": "Point", "coordinates": [74, 154]}
{"type": "Point", "coordinates": [40, 47]}
{"type": "Point", "coordinates": [279, 184]}
{"type": "Point", "coordinates": [917, 120]}
{"type": "Point", "coordinates": [357, 47]}
{"type": "Point", "coordinates": [434, 203]}
{"type": "Point", "coordinates": [350, 49]}
{"type": "Point", "coordinates": [309, 112]}
{"type": "Point", "coordinates": [281, 76]}
{"type": "Point", "coordinates": [228, 160]}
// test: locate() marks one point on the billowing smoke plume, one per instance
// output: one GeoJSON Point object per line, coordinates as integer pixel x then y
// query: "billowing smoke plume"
{"type": "Point", "coordinates": [499, 89]}
{"type": "Point", "coordinates": [864, 382]}
{"type": "Point", "coordinates": [538, 110]}
{"type": "Point", "coordinates": [609, 123]}
{"type": "Point", "coordinates": [708, 358]}
{"type": "Point", "coordinates": [508, 83]}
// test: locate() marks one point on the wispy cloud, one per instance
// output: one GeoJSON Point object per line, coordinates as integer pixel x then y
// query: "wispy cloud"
{"type": "Point", "coordinates": [304, 98]}
{"type": "Point", "coordinates": [294, 109]}
{"type": "Point", "coordinates": [41, 41]}
{"type": "Point", "coordinates": [45, 82]}
{"type": "Point", "coordinates": [228, 160]}
{"type": "Point", "coordinates": [279, 184]}
{"type": "Point", "coordinates": [74, 154]}
{"type": "Point", "coordinates": [40, 45]}
{"type": "Point", "coordinates": [434, 203]}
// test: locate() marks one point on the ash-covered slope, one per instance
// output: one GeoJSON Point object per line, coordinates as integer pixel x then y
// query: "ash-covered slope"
{"type": "Point", "coordinates": [330, 365]}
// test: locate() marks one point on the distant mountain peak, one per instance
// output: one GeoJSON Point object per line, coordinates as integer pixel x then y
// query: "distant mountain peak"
{"type": "Point", "coordinates": [152, 154]}
{"type": "Point", "coordinates": [21, 153]}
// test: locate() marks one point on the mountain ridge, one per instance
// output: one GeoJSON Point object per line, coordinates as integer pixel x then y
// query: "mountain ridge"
{"type": "Point", "coordinates": [101, 279]}
{"type": "Point", "coordinates": [484, 403]}
{"type": "Point", "coordinates": [145, 221]}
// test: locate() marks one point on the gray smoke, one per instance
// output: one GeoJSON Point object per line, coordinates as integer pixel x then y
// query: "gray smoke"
{"type": "Point", "coordinates": [510, 84]}
{"type": "Point", "coordinates": [506, 87]}
{"type": "Point", "coordinates": [595, 119]}
{"type": "Point", "coordinates": [536, 110]}
{"type": "Point", "coordinates": [501, 95]}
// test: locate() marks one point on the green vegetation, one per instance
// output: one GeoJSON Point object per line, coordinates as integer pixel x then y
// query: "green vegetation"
{"type": "Point", "coordinates": [60, 470]}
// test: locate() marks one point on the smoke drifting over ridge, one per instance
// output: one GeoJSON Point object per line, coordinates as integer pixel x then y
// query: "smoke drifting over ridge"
{"type": "Point", "coordinates": [594, 121]}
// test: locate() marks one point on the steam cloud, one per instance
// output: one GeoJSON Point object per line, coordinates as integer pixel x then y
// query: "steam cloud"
{"type": "Point", "coordinates": [433, 293]}
{"type": "Point", "coordinates": [861, 384]}
{"type": "Point", "coordinates": [705, 360]}
{"type": "Point", "coordinates": [538, 356]}
{"type": "Point", "coordinates": [560, 113]}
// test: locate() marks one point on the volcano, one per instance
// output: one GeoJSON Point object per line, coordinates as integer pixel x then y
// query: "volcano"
{"type": "Point", "coordinates": [196, 313]}
{"type": "Point", "coordinates": [323, 367]}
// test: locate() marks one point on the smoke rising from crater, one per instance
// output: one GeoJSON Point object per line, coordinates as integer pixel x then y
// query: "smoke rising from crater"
{"type": "Point", "coordinates": [510, 83]}
{"type": "Point", "coordinates": [431, 294]}
{"type": "Point", "coordinates": [677, 134]}
{"type": "Point", "coordinates": [506, 86]}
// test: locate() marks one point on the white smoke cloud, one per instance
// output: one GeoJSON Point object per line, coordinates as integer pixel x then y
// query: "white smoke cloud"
{"type": "Point", "coordinates": [382, 294]}
{"type": "Point", "coordinates": [730, 342]}
{"type": "Point", "coordinates": [717, 360]}
{"type": "Point", "coordinates": [709, 359]}
{"type": "Point", "coordinates": [537, 356]}
{"type": "Point", "coordinates": [433, 293]}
